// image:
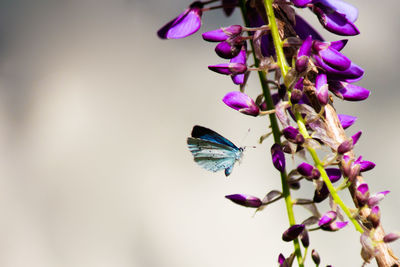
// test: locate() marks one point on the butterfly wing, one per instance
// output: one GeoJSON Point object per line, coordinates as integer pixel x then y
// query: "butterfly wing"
{"type": "Point", "coordinates": [208, 134]}
{"type": "Point", "coordinates": [213, 156]}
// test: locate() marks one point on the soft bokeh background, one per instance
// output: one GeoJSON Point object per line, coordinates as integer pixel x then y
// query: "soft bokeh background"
{"type": "Point", "coordinates": [94, 114]}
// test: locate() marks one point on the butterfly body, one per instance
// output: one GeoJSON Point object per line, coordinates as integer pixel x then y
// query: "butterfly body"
{"type": "Point", "coordinates": [212, 151]}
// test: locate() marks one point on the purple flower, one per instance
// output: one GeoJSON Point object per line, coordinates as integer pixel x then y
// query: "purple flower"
{"type": "Point", "coordinates": [352, 74]}
{"type": "Point", "coordinates": [321, 87]}
{"type": "Point", "coordinates": [184, 25]}
{"type": "Point", "coordinates": [304, 55]}
{"type": "Point", "coordinates": [376, 198]}
{"type": "Point", "coordinates": [301, 3]}
{"type": "Point", "coordinates": [348, 145]}
{"type": "Point", "coordinates": [228, 69]}
{"type": "Point", "coordinates": [278, 157]}
{"type": "Point", "coordinates": [245, 200]}
{"type": "Point", "coordinates": [293, 232]}
{"type": "Point", "coordinates": [241, 102]}
{"type": "Point", "coordinates": [327, 218]}
{"type": "Point", "coordinates": [308, 171]}
{"type": "Point", "coordinates": [336, 16]}
{"type": "Point", "coordinates": [240, 58]}
{"type": "Point", "coordinates": [364, 164]}
{"type": "Point", "coordinates": [222, 34]}
{"type": "Point", "coordinates": [331, 55]}
{"type": "Point", "coordinates": [348, 91]}
{"type": "Point", "coordinates": [334, 226]}
{"type": "Point", "coordinates": [334, 174]}
{"type": "Point", "coordinates": [303, 29]}
{"type": "Point", "coordinates": [228, 50]}
{"type": "Point", "coordinates": [293, 135]}
{"type": "Point", "coordinates": [346, 120]}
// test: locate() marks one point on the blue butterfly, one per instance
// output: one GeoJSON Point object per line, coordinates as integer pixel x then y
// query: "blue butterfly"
{"type": "Point", "coordinates": [212, 151]}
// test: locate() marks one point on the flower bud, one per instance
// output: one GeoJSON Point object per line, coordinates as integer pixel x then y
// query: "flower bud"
{"type": "Point", "coordinates": [362, 194]}
{"type": "Point", "coordinates": [228, 50]}
{"type": "Point", "coordinates": [305, 240]}
{"type": "Point", "coordinates": [278, 158]}
{"type": "Point", "coordinates": [315, 257]}
{"type": "Point", "coordinates": [245, 200]}
{"type": "Point", "coordinates": [375, 216]}
{"type": "Point", "coordinates": [281, 259]}
{"type": "Point", "coordinates": [304, 55]}
{"type": "Point", "coordinates": [241, 102]}
{"type": "Point", "coordinates": [321, 194]}
{"type": "Point", "coordinates": [293, 135]}
{"type": "Point", "coordinates": [391, 237]}
{"type": "Point", "coordinates": [228, 69]}
{"type": "Point", "coordinates": [334, 174]}
{"type": "Point", "coordinates": [222, 34]}
{"type": "Point", "coordinates": [293, 232]}
{"type": "Point", "coordinates": [308, 171]}
{"type": "Point", "coordinates": [321, 87]}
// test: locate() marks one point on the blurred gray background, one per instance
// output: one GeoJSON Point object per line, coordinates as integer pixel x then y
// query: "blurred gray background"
{"type": "Point", "coordinates": [94, 115]}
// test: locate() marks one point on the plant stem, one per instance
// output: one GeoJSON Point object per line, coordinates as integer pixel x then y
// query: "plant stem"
{"type": "Point", "coordinates": [277, 139]}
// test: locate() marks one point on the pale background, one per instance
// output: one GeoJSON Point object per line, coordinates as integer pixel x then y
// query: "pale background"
{"type": "Point", "coordinates": [94, 114]}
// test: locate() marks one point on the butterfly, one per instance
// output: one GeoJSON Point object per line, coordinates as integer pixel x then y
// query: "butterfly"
{"type": "Point", "coordinates": [212, 151]}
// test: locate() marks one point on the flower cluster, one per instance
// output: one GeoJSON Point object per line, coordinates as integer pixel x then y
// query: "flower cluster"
{"type": "Point", "coordinates": [300, 73]}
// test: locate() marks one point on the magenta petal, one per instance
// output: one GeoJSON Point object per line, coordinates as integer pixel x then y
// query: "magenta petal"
{"type": "Point", "coordinates": [334, 21]}
{"type": "Point", "coordinates": [301, 3]}
{"type": "Point", "coordinates": [241, 102]}
{"type": "Point", "coordinates": [352, 74]}
{"type": "Point", "coordinates": [341, 7]}
{"type": "Point", "coordinates": [349, 91]}
{"type": "Point", "coordinates": [328, 217]}
{"type": "Point", "coordinates": [346, 120]}
{"type": "Point", "coordinates": [335, 59]}
{"type": "Point", "coordinates": [184, 25]}
{"type": "Point", "coordinates": [338, 45]}
{"type": "Point", "coordinates": [303, 30]}
{"type": "Point", "coordinates": [215, 36]}
{"type": "Point", "coordinates": [334, 174]}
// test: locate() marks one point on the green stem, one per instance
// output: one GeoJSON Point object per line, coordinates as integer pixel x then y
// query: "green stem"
{"type": "Point", "coordinates": [280, 56]}
{"type": "Point", "coordinates": [277, 139]}
{"type": "Point", "coordinates": [300, 121]}
{"type": "Point", "coordinates": [324, 175]}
